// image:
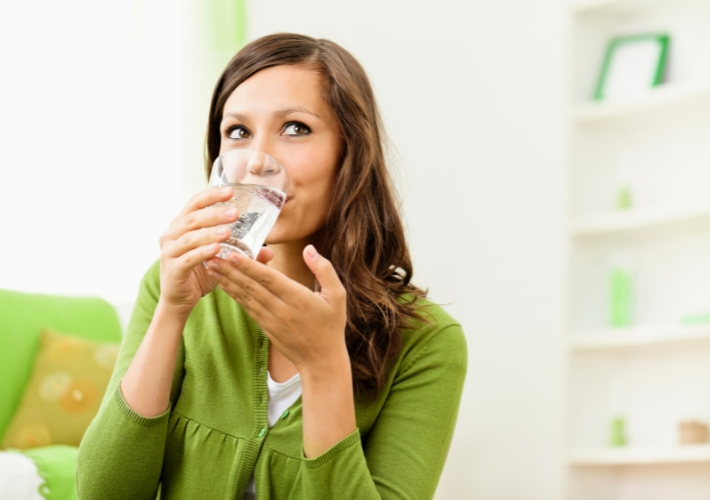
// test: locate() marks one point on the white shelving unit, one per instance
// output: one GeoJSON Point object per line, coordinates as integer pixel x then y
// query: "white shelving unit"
{"type": "Point", "coordinates": [614, 7]}
{"type": "Point", "coordinates": [627, 220]}
{"type": "Point", "coordinates": [656, 371]}
{"type": "Point", "coordinates": [668, 94]}
{"type": "Point", "coordinates": [642, 456]}
{"type": "Point", "coordinates": [640, 337]}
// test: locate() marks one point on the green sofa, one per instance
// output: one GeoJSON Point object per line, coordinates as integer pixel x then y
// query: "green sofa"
{"type": "Point", "coordinates": [23, 316]}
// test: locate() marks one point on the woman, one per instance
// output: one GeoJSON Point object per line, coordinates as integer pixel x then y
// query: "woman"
{"type": "Point", "coordinates": [317, 371]}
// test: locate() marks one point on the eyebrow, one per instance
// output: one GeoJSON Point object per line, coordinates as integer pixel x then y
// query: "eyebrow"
{"type": "Point", "coordinates": [288, 111]}
{"type": "Point", "coordinates": [277, 114]}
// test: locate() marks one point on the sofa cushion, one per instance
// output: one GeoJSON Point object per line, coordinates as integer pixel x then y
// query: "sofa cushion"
{"type": "Point", "coordinates": [23, 316]}
{"type": "Point", "coordinates": [67, 384]}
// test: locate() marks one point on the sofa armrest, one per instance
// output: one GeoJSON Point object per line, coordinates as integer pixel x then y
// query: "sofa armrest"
{"type": "Point", "coordinates": [57, 466]}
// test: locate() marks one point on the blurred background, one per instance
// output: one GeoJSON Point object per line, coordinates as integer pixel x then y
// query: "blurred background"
{"type": "Point", "coordinates": [554, 176]}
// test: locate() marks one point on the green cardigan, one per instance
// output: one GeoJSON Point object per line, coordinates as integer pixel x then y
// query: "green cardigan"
{"type": "Point", "coordinates": [215, 433]}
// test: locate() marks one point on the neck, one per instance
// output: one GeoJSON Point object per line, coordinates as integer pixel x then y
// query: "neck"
{"type": "Point", "coordinates": [288, 259]}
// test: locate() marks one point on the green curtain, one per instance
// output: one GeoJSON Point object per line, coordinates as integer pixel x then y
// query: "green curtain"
{"type": "Point", "coordinates": [226, 24]}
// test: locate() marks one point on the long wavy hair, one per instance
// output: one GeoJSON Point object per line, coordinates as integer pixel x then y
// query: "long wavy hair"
{"type": "Point", "coordinates": [363, 235]}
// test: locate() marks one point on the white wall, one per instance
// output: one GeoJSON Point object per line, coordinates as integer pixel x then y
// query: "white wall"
{"type": "Point", "coordinates": [104, 108]}
{"type": "Point", "coordinates": [81, 205]}
{"type": "Point", "coordinates": [473, 95]}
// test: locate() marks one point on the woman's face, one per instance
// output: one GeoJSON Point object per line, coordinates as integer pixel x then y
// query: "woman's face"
{"type": "Point", "coordinates": [282, 112]}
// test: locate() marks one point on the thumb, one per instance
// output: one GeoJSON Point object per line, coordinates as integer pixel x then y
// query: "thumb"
{"type": "Point", "coordinates": [325, 273]}
{"type": "Point", "coordinates": [265, 255]}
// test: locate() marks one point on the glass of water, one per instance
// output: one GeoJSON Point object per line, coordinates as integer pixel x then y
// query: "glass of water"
{"type": "Point", "coordinates": [260, 184]}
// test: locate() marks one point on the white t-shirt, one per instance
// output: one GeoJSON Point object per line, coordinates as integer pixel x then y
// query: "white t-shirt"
{"type": "Point", "coordinates": [281, 396]}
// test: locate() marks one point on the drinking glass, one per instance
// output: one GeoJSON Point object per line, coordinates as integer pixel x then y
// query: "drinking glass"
{"type": "Point", "coordinates": [260, 184]}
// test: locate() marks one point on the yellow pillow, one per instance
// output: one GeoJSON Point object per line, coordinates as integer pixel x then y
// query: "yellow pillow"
{"type": "Point", "coordinates": [68, 380]}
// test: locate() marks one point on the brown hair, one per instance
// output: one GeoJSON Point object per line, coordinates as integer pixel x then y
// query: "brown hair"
{"type": "Point", "coordinates": [363, 235]}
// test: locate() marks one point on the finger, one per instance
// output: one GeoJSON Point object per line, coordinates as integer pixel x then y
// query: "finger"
{"type": "Point", "coordinates": [324, 272]}
{"type": "Point", "coordinates": [194, 239]}
{"type": "Point", "coordinates": [265, 255]}
{"type": "Point", "coordinates": [187, 261]}
{"type": "Point", "coordinates": [258, 312]}
{"type": "Point", "coordinates": [206, 217]}
{"type": "Point", "coordinates": [248, 293]}
{"type": "Point", "coordinates": [256, 287]}
{"type": "Point", "coordinates": [206, 198]}
{"type": "Point", "coordinates": [267, 277]}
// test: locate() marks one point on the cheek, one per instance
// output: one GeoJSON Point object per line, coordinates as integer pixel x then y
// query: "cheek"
{"type": "Point", "coordinates": [315, 197]}
{"type": "Point", "coordinates": [313, 175]}
{"type": "Point", "coordinates": [313, 187]}
{"type": "Point", "coordinates": [321, 193]}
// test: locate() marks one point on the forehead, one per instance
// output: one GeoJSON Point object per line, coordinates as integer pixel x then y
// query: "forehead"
{"type": "Point", "coordinates": [280, 87]}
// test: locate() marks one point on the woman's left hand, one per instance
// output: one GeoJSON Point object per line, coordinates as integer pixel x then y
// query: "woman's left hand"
{"type": "Point", "coordinates": [305, 326]}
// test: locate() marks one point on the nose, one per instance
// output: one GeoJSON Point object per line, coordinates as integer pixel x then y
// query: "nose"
{"type": "Point", "coordinates": [263, 143]}
{"type": "Point", "coordinates": [263, 166]}
{"type": "Point", "coordinates": [257, 164]}
{"type": "Point", "coordinates": [266, 170]}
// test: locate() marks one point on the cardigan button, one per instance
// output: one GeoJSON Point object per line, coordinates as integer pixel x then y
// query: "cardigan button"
{"type": "Point", "coordinates": [284, 415]}
{"type": "Point", "coordinates": [261, 343]}
{"type": "Point", "coordinates": [262, 432]}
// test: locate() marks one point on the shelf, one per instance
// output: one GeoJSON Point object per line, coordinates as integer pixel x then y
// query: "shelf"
{"type": "Point", "coordinates": [594, 6]}
{"type": "Point", "coordinates": [617, 7]}
{"type": "Point", "coordinates": [638, 218]}
{"type": "Point", "coordinates": [641, 456]}
{"type": "Point", "coordinates": [639, 336]}
{"type": "Point", "coordinates": [667, 93]}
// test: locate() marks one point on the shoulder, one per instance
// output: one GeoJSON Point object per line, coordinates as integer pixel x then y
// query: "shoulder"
{"type": "Point", "coordinates": [152, 275]}
{"type": "Point", "coordinates": [149, 289]}
{"type": "Point", "coordinates": [435, 336]}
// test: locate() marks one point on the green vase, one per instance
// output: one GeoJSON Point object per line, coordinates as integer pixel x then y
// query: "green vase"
{"type": "Point", "coordinates": [617, 432]}
{"type": "Point", "coordinates": [620, 298]}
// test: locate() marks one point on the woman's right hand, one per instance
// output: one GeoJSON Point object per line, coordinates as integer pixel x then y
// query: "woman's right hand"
{"type": "Point", "coordinates": [192, 238]}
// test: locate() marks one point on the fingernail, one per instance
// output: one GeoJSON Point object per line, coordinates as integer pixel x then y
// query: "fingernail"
{"type": "Point", "coordinates": [233, 257]}
{"type": "Point", "coordinates": [230, 213]}
{"type": "Point", "coordinates": [311, 251]}
{"type": "Point", "coordinates": [225, 190]}
{"type": "Point", "coordinates": [221, 231]}
{"type": "Point", "coordinates": [213, 266]}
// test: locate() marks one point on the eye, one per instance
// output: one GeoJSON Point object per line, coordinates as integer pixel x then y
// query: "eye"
{"type": "Point", "coordinates": [237, 132]}
{"type": "Point", "coordinates": [296, 128]}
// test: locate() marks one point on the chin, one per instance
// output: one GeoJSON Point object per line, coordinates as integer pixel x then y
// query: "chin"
{"type": "Point", "coordinates": [279, 235]}
{"type": "Point", "coordinates": [292, 229]}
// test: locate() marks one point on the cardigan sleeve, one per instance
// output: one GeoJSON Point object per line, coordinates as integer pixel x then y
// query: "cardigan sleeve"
{"type": "Point", "coordinates": [121, 453]}
{"type": "Point", "coordinates": [404, 453]}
